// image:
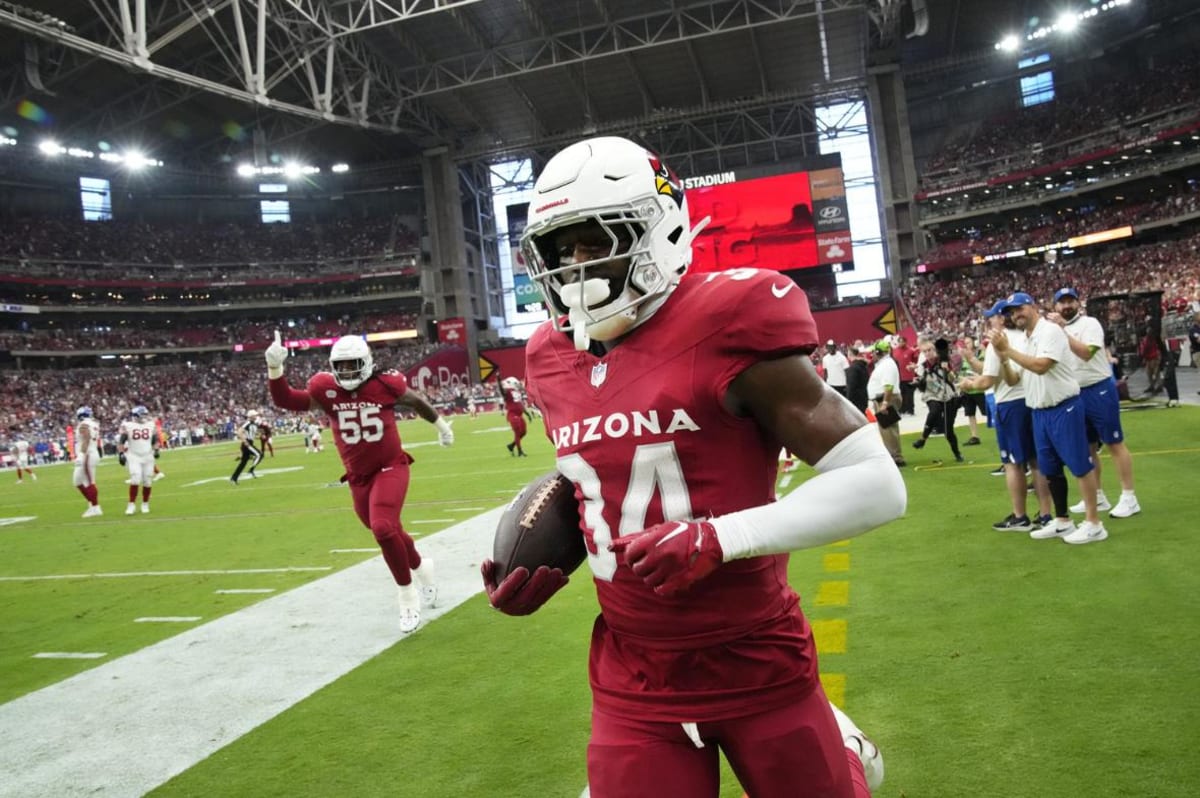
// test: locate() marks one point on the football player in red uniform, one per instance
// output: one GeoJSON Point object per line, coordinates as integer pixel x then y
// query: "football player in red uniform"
{"type": "Point", "coordinates": [668, 397]}
{"type": "Point", "coordinates": [360, 401]}
{"type": "Point", "coordinates": [514, 410]}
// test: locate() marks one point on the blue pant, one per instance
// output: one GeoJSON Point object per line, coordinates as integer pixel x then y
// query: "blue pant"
{"type": "Point", "coordinates": [1060, 433]}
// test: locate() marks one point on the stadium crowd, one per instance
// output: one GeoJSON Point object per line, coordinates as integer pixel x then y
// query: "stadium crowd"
{"type": "Point", "coordinates": [148, 334]}
{"type": "Point", "coordinates": [1084, 116]}
{"type": "Point", "coordinates": [954, 301]}
{"type": "Point", "coordinates": [62, 238]}
{"type": "Point", "coordinates": [1045, 227]}
{"type": "Point", "coordinates": [196, 402]}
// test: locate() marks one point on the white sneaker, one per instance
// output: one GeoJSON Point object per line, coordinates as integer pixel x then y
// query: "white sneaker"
{"type": "Point", "coordinates": [1102, 504]}
{"type": "Point", "coordinates": [425, 581]}
{"type": "Point", "coordinates": [130, 508]}
{"type": "Point", "coordinates": [1127, 506]}
{"type": "Point", "coordinates": [145, 507]}
{"type": "Point", "coordinates": [159, 476]}
{"type": "Point", "coordinates": [868, 753]}
{"type": "Point", "coordinates": [1054, 529]}
{"type": "Point", "coordinates": [92, 511]}
{"type": "Point", "coordinates": [1087, 533]}
{"type": "Point", "coordinates": [410, 607]}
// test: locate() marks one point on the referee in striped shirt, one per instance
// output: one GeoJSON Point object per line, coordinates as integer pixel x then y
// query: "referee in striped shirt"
{"type": "Point", "coordinates": [251, 455]}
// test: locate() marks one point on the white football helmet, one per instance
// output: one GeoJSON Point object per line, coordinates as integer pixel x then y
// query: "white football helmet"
{"type": "Point", "coordinates": [139, 411]}
{"type": "Point", "coordinates": [351, 361]}
{"type": "Point", "coordinates": [638, 203]}
{"type": "Point", "coordinates": [251, 414]}
{"type": "Point", "coordinates": [510, 383]}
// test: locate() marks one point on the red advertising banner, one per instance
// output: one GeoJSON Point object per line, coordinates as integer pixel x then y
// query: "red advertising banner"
{"type": "Point", "coordinates": [445, 368]}
{"type": "Point", "coordinates": [453, 331]}
{"type": "Point", "coordinates": [835, 247]}
{"type": "Point", "coordinates": [765, 223]}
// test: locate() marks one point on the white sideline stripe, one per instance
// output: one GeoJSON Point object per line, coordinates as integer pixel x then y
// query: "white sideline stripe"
{"type": "Point", "coordinates": [352, 551]}
{"type": "Point", "coordinates": [247, 590]}
{"type": "Point", "coordinates": [432, 521]}
{"type": "Point", "coordinates": [122, 575]}
{"type": "Point", "coordinates": [128, 725]}
{"type": "Point", "coordinates": [70, 655]}
{"type": "Point", "coordinates": [167, 619]}
{"type": "Point", "coordinates": [505, 428]}
{"type": "Point", "coordinates": [465, 509]}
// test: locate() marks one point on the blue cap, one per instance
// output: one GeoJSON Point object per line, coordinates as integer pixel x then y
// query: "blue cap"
{"type": "Point", "coordinates": [994, 310]}
{"type": "Point", "coordinates": [1017, 300]}
{"type": "Point", "coordinates": [1062, 292]}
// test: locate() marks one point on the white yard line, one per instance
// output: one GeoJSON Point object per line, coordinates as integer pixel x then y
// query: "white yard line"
{"type": "Point", "coordinates": [130, 574]}
{"type": "Point", "coordinates": [126, 726]}
{"type": "Point", "coordinates": [167, 619]}
{"type": "Point", "coordinates": [70, 655]}
{"type": "Point", "coordinates": [247, 590]}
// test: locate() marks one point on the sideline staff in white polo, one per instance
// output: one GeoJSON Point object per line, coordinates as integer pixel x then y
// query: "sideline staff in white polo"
{"type": "Point", "coordinates": [1101, 403]}
{"type": "Point", "coordinates": [1059, 429]}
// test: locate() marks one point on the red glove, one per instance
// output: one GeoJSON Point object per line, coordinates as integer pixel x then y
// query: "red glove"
{"type": "Point", "coordinates": [672, 556]}
{"type": "Point", "coordinates": [520, 593]}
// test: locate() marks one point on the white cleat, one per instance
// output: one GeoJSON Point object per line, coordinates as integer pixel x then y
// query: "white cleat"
{"type": "Point", "coordinates": [1054, 529]}
{"type": "Point", "coordinates": [868, 753]}
{"type": "Point", "coordinates": [1087, 533]}
{"type": "Point", "coordinates": [33, 476]}
{"type": "Point", "coordinates": [410, 608]}
{"type": "Point", "coordinates": [93, 511]}
{"type": "Point", "coordinates": [1126, 507]}
{"type": "Point", "coordinates": [159, 476]}
{"type": "Point", "coordinates": [1102, 504]}
{"type": "Point", "coordinates": [130, 508]}
{"type": "Point", "coordinates": [424, 577]}
{"type": "Point", "coordinates": [145, 507]}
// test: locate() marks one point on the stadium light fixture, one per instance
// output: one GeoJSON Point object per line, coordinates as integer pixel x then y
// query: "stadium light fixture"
{"type": "Point", "coordinates": [5, 141]}
{"type": "Point", "coordinates": [51, 148]}
{"type": "Point", "coordinates": [245, 170]}
{"type": "Point", "coordinates": [340, 168]}
{"type": "Point", "coordinates": [1009, 44]}
{"type": "Point", "coordinates": [1067, 22]}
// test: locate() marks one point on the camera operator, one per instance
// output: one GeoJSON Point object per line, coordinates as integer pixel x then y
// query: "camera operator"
{"type": "Point", "coordinates": [937, 378]}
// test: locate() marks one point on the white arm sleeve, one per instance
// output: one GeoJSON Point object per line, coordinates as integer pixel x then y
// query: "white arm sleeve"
{"type": "Point", "coordinates": [856, 489]}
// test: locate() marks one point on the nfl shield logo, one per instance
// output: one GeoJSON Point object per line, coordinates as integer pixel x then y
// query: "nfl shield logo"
{"type": "Point", "coordinates": [599, 373]}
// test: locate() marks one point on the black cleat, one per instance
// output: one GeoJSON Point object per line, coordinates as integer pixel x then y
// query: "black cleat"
{"type": "Point", "coordinates": [918, 443]}
{"type": "Point", "coordinates": [1013, 524]}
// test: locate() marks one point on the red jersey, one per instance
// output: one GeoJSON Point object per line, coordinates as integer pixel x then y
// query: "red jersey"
{"type": "Point", "coordinates": [513, 405]}
{"type": "Point", "coordinates": [644, 436]}
{"type": "Point", "coordinates": [363, 420]}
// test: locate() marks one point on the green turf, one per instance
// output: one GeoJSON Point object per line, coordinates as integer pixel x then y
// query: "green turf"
{"type": "Point", "coordinates": [984, 663]}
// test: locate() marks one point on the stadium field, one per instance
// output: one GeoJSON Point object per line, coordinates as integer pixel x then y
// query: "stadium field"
{"type": "Point", "coordinates": [983, 663]}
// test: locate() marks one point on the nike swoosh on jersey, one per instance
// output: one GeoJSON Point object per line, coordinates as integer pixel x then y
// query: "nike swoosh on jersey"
{"type": "Point", "coordinates": [780, 293]}
{"type": "Point", "coordinates": [389, 468]}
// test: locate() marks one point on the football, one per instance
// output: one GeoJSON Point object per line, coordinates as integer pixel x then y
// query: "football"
{"type": "Point", "coordinates": [540, 527]}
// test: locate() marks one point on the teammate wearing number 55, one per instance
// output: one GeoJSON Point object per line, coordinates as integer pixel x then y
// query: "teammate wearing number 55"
{"type": "Point", "coordinates": [667, 397]}
{"type": "Point", "coordinates": [360, 401]}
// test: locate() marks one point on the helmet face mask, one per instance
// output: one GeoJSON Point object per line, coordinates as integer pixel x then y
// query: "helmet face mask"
{"type": "Point", "coordinates": [616, 206]}
{"type": "Point", "coordinates": [350, 361]}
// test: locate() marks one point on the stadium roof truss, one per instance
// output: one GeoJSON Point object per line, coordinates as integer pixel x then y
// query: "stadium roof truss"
{"type": "Point", "coordinates": [485, 76]}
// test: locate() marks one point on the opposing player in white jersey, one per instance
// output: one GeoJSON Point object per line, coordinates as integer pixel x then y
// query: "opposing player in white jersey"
{"type": "Point", "coordinates": [138, 445]}
{"type": "Point", "coordinates": [87, 457]}
{"type": "Point", "coordinates": [21, 448]}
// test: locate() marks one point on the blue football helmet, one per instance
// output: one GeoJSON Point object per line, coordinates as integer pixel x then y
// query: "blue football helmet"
{"type": "Point", "coordinates": [83, 412]}
{"type": "Point", "coordinates": [139, 411]}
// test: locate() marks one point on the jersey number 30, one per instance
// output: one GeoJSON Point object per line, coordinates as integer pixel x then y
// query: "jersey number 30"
{"type": "Point", "coordinates": [360, 424]}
